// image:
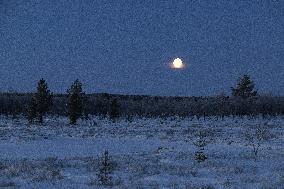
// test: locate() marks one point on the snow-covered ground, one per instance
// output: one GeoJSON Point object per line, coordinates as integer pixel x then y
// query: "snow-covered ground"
{"type": "Point", "coordinates": [145, 153]}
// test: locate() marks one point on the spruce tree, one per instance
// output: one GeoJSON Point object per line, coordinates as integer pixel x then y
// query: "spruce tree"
{"type": "Point", "coordinates": [105, 169]}
{"type": "Point", "coordinates": [244, 88]}
{"type": "Point", "coordinates": [43, 99]}
{"type": "Point", "coordinates": [75, 102]}
{"type": "Point", "coordinates": [40, 102]}
{"type": "Point", "coordinates": [200, 156]}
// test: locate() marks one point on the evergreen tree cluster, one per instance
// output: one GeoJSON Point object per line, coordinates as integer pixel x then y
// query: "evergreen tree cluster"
{"type": "Point", "coordinates": [41, 103]}
{"type": "Point", "coordinates": [76, 104]}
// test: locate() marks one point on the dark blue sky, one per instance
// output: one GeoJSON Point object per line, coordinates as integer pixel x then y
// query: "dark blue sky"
{"type": "Point", "coordinates": [125, 46]}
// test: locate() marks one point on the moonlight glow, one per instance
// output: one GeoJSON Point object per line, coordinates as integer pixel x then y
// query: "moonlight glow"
{"type": "Point", "coordinates": [177, 63]}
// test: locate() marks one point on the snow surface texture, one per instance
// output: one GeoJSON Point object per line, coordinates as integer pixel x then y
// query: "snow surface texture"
{"type": "Point", "coordinates": [145, 153]}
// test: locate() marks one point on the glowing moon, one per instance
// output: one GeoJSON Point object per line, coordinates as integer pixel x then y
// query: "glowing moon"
{"type": "Point", "coordinates": [177, 63]}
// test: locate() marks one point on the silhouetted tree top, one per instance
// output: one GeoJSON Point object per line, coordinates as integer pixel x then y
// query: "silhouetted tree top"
{"type": "Point", "coordinates": [76, 87]}
{"type": "Point", "coordinates": [43, 96]}
{"type": "Point", "coordinates": [244, 88]}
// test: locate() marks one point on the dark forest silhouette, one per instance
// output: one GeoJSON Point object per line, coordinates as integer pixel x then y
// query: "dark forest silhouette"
{"type": "Point", "coordinates": [76, 104]}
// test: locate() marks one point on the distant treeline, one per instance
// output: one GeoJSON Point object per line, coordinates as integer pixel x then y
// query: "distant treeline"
{"type": "Point", "coordinates": [152, 106]}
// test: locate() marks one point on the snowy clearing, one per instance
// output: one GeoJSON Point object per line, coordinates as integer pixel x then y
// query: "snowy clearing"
{"type": "Point", "coordinates": [145, 153]}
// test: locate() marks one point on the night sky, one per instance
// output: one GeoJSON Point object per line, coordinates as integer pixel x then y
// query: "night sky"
{"type": "Point", "coordinates": [125, 46]}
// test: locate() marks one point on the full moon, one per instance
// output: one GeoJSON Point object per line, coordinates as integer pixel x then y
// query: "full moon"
{"type": "Point", "coordinates": [177, 63]}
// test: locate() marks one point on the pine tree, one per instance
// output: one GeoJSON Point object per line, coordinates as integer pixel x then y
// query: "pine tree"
{"type": "Point", "coordinates": [105, 169]}
{"type": "Point", "coordinates": [200, 156]}
{"type": "Point", "coordinates": [40, 102]}
{"type": "Point", "coordinates": [43, 99]}
{"type": "Point", "coordinates": [75, 102]}
{"type": "Point", "coordinates": [114, 110]}
{"type": "Point", "coordinates": [245, 88]}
